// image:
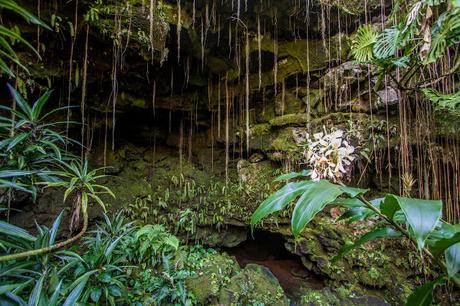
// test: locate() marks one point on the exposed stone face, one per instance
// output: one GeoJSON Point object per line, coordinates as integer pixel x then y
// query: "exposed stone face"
{"type": "Point", "coordinates": [222, 282]}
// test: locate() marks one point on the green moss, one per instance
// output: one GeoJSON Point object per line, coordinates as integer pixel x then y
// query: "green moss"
{"type": "Point", "coordinates": [259, 129]}
{"type": "Point", "coordinates": [290, 119]}
{"type": "Point", "coordinates": [214, 276]}
{"type": "Point", "coordinates": [255, 285]}
{"type": "Point", "coordinates": [354, 7]}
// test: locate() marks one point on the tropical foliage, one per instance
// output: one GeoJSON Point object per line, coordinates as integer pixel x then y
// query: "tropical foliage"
{"type": "Point", "coordinates": [9, 36]}
{"type": "Point", "coordinates": [423, 33]}
{"type": "Point", "coordinates": [102, 272]}
{"type": "Point", "coordinates": [31, 146]}
{"type": "Point", "coordinates": [395, 216]}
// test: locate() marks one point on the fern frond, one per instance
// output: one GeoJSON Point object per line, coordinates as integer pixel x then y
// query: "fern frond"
{"type": "Point", "coordinates": [363, 43]}
{"type": "Point", "coordinates": [450, 102]}
{"type": "Point", "coordinates": [387, 43]}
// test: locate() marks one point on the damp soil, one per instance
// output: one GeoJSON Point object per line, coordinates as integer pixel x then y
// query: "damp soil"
{"type": "Point", "coordinates": [268, 249]}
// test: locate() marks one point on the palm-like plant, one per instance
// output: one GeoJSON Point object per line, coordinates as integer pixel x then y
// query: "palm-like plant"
{"type": "Point", "coordinates": [80, 185]}
{"type": "Point", "coordinates": [31, 145]}
{"type": "Point", "coordinates": [38, 281]}
{"type": "Point", "coordinates": [8, 37]}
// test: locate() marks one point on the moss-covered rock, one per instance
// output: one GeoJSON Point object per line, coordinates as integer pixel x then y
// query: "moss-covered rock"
{"type": "Point", "coordinates": [338, 297]}
{"type": "Point", "coordinates": [288, 103]}
{"type": "Point", "coordinates": [254, 285]}
{"type": "Point", "coordinates": [290, 120]}
{"type": "Point", "coordinates": [214, 276]}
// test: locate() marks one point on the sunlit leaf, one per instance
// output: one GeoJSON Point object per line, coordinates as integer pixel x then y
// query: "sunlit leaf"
{"type": "Point", "coordinates": [279, 200]}
{"type": "Point", "coordinates": [452, 255]}
{"type": "Point", "coordinates": [313, 200]}
{"type": "Point", "coordinates": [291, 175]}
{"type": "Point", "coordinates": [421, 215]}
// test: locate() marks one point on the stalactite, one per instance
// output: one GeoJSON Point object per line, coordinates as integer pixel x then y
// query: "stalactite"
{"type": "Point", "coordinates": [187, 72]}
{"type": "Point", "coordinates": [73, 34]}
{"type": "Point", "coordinates": [154, 94]}
{"type": "Point", "coordinates": [247, 90]}
{"type": "Point", "coordinates": [229, 40]}
{"type": "Point", "coordinates": [275, 54]}
{"type": "Point", "coordinates": [238, 8]}
{"type": "Point", "coordinates": [227, 131]}
{"type": "Point", "coordinates": [115, 66]}
{"type": "Point", "coordinates": [151, 28]}
{"type": "Point", "coordinates": [283, 96]}
{"type": "Point", "coordinates": [202, 44]}
{"type": "Point", "coordinates": [193, 13]}
{"type": "Point", "coordinates": [83, 92]}
{"type": "Point", "coordinates": [179, 27]}
{"type": "Point", "coordinates": [190, 138]}
{"type": "Point", "coordinates": [218, 109]}
{"type": "Point", "coordinates": [181, 144]}
{"type": "Point", "coordinates": [38, 27]}
{"type": "Point", "coordinates": [259, 49]}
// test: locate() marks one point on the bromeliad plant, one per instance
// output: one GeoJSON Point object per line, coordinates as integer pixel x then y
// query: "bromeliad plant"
{"type": "Point", "coordinates": [32, 154]}
{"type": "Point", "coordinates": [31, 145]}
{"type": "Point", "coordinates": [80, 184]}
{"type": "Point", "coordinates": [415, 219]}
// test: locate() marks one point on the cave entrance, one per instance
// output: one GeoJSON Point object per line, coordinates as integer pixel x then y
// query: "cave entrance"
{"type": "Point", "coordinates": [268, 249]}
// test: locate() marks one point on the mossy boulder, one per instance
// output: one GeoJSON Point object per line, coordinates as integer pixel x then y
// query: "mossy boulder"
{"type": "Point", "coordinates": [290, 120]}
{"type": "Point", "coordinates": [214, 275]}
{"type": "Point", "coordinates": [254, 285]}
{"type": "Point", "coordinates": [288, 103]}
{"type": "Point", "coordinates": [338, 297]}
{"type": "Point", "coordinates": [380, 265]}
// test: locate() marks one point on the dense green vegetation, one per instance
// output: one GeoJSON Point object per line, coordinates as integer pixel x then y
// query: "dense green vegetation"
{"type": "Point", "coordinates": [141, 221]}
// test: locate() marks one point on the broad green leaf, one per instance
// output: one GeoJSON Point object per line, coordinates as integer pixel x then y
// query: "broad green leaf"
{"type": "Point", "coordinates": [14, 231]}
{"type": "Point", "coordinates": [389, 207]}
{"type": "Point", "coordinates": [313, 200]}
{"type": "Point", "coordinates": [452, 255]}
{"type": "Point", "coordinates": [387, 43]}
{"type": "Point", "coordinates": [423, 295]}
{"type": "Point", "coordinates": [349, 202]}
{"type": "Point", "coordinates": [279, 200]}
{"type": "Point", "coordinates": [421, 215]}
{"type": "Point", "coordinates": [356, 214]}
{"type": "Point", "coordinates": [292, 175]}
{"type": "Point", "coordinates": [372, 235]}
{"type": "Point", "coordinates": [443, 237]}
{"type": "Point", "coordinates": [353, 192]}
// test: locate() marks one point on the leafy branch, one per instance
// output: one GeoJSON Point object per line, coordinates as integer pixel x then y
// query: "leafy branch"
{"type": "Point", "coordinates": [416, 219]}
